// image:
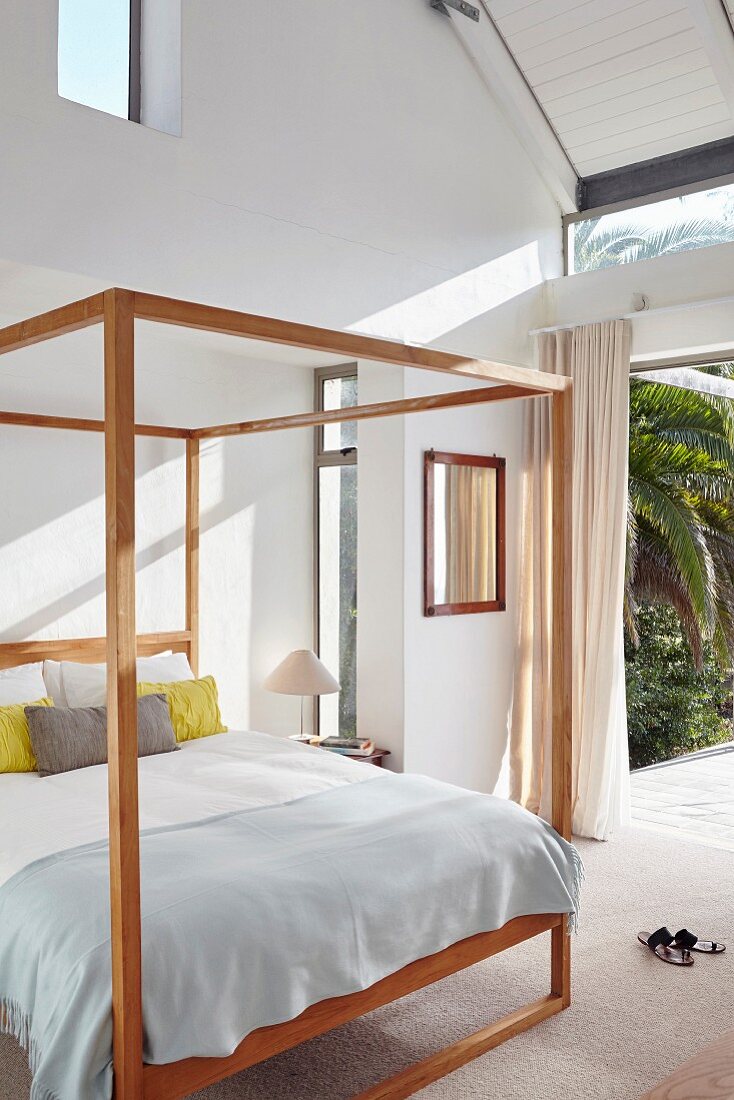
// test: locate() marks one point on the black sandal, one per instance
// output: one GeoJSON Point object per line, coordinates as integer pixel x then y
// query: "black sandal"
{"type": "Point", "coordinates": [689, 942]}
{"type": "Point", "coordinates": [662, 944]}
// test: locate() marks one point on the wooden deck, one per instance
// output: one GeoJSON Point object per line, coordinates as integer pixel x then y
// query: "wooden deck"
{"type": "Point", "coordinates": [691, 797]}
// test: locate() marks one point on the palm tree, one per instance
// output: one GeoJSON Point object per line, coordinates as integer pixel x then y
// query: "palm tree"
{"type": "Point", "coordinates": [680, 538]}
{"type": "Point", "coordinates": [607, 241]}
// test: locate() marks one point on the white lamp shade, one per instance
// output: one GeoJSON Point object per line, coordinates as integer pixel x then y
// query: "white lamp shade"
{"type": "Point", "coordinates": [301, 673]}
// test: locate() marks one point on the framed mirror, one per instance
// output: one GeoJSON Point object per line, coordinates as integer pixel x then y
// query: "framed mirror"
{"type": "Point", "coordinates": [464, 533]}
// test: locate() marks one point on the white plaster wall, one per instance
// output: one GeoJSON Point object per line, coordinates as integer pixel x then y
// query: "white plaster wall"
{"type": "Point", "coordinates": [340, 163]}
{"type": "Point", "coordinates": [458, 668]}
{"type": "Point", "coordinates": [160, 65]}
{"type": "Point", "coordinates": [678, 288]}
{"type": "Point", "coordinates": [381, 703]}
{"type": "Point", "coordinates": [256, 546]}
{"type": "Point", "coordinates": [436, 691]}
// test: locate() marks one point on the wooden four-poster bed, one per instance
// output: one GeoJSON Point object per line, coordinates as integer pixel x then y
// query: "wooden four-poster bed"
{"type": "Point", "coordinates": [117, 311]}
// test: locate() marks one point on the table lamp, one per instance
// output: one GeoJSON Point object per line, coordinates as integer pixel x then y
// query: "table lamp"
{"type": "Point", "coordinates": [301, 673]}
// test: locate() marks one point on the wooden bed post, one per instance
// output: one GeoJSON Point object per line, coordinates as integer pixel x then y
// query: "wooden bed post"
{"type": "Point", "coordinates": [122, 714]}
{"type": "Point", "coordinates": [562, 664]}
{"type": "Point", "coordinates": [192, 550]}
{"type": "Point", "coordinates": [118, 309]}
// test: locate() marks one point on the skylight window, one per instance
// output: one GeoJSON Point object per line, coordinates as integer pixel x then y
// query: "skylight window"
{"type": "Point", "coordinates": [96, 49]}
{"type": "Point", "coordinates": [654, 229]}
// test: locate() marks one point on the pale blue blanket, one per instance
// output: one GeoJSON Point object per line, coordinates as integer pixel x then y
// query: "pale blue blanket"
{"type": "Point", "coordinates": [250, 917]}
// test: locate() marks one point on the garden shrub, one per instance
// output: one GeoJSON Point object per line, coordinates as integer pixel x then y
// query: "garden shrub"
{"type": "Point", "coordinates": [671, 708]}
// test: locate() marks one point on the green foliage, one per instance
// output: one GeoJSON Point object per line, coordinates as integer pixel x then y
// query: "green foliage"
{"type": "Point", "coordinates": [679, 591]}
{"type": "Point", "coordinates": [679, 585]}
{"type": "Point", "coordinates": [671, 708]}
{"type": "Point", "coordinates": [348, 601]}
{"type": "Point", "coordinates": [680, 536]}
{"type": "Point", "coordinates": [607, 242]}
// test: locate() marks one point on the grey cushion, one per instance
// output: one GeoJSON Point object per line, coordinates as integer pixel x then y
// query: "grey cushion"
{"type": "Point", "coordinates": [67, 738]}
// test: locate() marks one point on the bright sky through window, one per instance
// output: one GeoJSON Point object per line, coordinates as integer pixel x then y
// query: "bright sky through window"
{"type": "Point", "coordinates": [94, 49]}
{"type": "Point", "coordinates": [652, 229]}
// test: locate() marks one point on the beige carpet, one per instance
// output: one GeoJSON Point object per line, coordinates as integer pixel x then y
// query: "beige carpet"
{"type": "Point", "coordinates": [618, 1038]}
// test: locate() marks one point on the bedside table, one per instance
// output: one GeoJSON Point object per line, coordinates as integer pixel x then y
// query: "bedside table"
{"type": "Point", "coordinates": [375, 758]}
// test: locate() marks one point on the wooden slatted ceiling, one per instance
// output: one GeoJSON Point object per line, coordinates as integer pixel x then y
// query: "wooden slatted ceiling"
{"type": "Point", "coordinates": [620, 80]}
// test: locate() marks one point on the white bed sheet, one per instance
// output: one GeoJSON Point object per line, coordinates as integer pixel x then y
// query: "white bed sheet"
{"type": "Point", "coordinates": [232, 771]}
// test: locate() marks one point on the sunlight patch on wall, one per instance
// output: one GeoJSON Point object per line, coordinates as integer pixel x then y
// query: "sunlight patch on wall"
{"type": "Point", "coordinates": [227, 610]}
{"type": "Point", "coordinates": [62, 562]}
{"type": "Point", "coordinates": [447, 306]}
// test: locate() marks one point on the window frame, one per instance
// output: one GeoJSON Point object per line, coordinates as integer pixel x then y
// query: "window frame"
{"type": "Point", "coordinates": [567, 220]}
{"type": "Point", "coordinates": [134, 62]}
{"type": "Point", "coordinates": [322, 457]}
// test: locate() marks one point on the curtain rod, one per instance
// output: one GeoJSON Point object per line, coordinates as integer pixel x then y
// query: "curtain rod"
{"type": "Point", "coordinates": [728, 300]}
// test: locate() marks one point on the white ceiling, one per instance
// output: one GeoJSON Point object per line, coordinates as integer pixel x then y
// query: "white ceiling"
{"type": "Point", "coordinates": [622, 81]}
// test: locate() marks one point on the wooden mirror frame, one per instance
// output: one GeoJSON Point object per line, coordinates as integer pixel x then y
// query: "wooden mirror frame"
{"type": "Point", "coordinates": [447, 458]}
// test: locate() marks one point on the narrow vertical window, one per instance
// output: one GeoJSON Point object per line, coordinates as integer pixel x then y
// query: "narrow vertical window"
{"type": "Point", "coordinates": [99, 55]}
{"type": "Point", "coordinates": [336, 550]}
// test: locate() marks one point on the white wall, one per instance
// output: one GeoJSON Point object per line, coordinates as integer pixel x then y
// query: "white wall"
{"type": "Point", "coordinates": [381, 704]}
{"type": "Point", "coordinates": [255, 507]}
{"type": "Point", "coordinates": [341, 164]}
{"type": "Point", "coordinates": [458, 668]}
{"type": "Point", "coordinates": [160, 65]}
{"type": "Point", "coordinates": [435, 691]}
{"type": "Point", "coordinates": [678, 288]}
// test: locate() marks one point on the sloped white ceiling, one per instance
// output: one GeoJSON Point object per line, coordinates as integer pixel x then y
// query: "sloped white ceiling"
{"type": "Point", "coordinates": [621, 81]}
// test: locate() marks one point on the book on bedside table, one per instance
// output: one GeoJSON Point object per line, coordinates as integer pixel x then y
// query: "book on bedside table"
{"type": "Point", "coordinates": [347, 746]}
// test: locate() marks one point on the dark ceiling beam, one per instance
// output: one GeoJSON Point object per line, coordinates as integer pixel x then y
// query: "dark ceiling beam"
{"type": "Point", "coordinates": [648, 178]}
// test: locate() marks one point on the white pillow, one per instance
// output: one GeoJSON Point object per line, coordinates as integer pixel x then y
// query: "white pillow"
{"type": "Point", "coordinates": [86, 685]}
{"type": "Point", "coordinates": [54, 669]}
{"type": "Point", "coordinates": [23, 684]}
{"type": "Point", "coordinates": [54, 683]}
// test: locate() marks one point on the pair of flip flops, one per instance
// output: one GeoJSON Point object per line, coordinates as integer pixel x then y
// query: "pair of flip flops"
{"type": "Point", "coordinates": [677, 949]}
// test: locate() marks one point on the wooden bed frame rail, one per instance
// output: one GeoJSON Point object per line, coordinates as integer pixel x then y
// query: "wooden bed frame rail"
{"type": "Point", "coordinates": [89, 650]}
{"type": "Point", "coordinates": [117, 311]}
{"type": "Point", "coordinates": [178, 1080]}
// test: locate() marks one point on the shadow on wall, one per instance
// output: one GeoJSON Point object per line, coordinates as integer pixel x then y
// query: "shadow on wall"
{"type": "Point", "coordinates": [255, 592]}
{"type": "Point", "coordinates": [34, 625]}
{"type": "Point", "coordinates": [52, 575]}
{"type": "Point", "coordinates": [56, 565]}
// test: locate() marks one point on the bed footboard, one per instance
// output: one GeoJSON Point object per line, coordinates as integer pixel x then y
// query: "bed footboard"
{"type": "Point", "coordinates": [180, 1079]}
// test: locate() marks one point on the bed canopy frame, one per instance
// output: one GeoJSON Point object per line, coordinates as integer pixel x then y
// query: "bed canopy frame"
{"type": "Point", "coordinates": [117, 311]}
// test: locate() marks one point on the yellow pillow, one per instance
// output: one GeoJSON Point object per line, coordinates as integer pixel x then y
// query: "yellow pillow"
{"type": "Point", "coordinates": [193, 706]}
{"type": "Point", "coordinates": [16, 751]}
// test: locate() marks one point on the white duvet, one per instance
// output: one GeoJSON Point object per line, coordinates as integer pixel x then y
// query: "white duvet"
{"type": "Point", "coordinates": [234, 771]}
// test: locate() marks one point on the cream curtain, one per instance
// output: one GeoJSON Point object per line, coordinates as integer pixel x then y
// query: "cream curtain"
{"type": "Point", "coordinates": [597, 358]}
